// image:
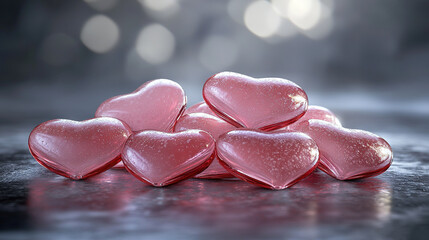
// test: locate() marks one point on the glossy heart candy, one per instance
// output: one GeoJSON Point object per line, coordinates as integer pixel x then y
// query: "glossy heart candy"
{"type": "Point", "coordinates": [78, 150]}
{"type": "Point", "coordinates": [156, 105]}
{"type": "Point", "coordinates": [119, 165]}
{"type": "Point", "coordinates": [213, 125]}
{"type": "Point", "coordinates": [264, 103]}
{"type": "Point", "coordinates": [161, 159]}
{"type": "Point", "coordinates": [347, 153]}
{"type": "Point", "coordinates": [275, 160]}
{"type": "Point", "coordinates": [200, 107]}
{"type": "Point", "coordinates": [317, 112]}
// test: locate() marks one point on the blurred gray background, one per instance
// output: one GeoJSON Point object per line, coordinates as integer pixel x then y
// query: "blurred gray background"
{"type": "Point", "coordinates": [61, 59]}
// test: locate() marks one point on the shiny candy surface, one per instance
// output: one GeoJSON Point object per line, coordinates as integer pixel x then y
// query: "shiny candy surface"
{"type": "Point", "coordinates": [161, 159]}
{"type": "Point", "coordinates": [317, 112]}
{"type": "Point", "coordinates": [78, 150]}
{"type": "Point", "coordinates": [119, 165]}
{"type": "Point", "coordinates": [348, 153]}
{"type": "Point", "coordinates": [264, 103]}
{"type": "Point", "coordinates": [37, 203]}
{"type": "Point", "coordinates": [270, 160]}
{"type": "Point", "coordinates": [200, 107]}
{"type": "Point", "coordinates": [213, 125]}
{"type": "Point", "coordinates": [156, 105]}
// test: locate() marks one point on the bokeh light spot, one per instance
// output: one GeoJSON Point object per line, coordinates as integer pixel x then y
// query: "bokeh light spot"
{"type": "Point", "coordinates": [281, 7]}
{"type": "Point", "coordinates": [155, 44]}
{"type": "Point", "coordinates": [100, 34]}
{"type": "Point", "coordinates": [159, 5]}
{"type": "Point", "coordinates": [305, 14]}
{"type": "Point", "coordinates": [261, 19]}
{"type": "Point", "coordinates": [160, 8]}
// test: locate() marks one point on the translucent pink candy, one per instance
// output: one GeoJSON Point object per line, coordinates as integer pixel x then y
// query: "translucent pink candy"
{"type": "Point", "coordinates": [119, 165]}
{"type": "Point", "coordinates": [317, 112]}
{"type": "Point", "coordinates": [213, 125]}
{"type": "Point", "coordinates": [265, 103]}
{"type": "Point", "coordinates": [214, 170]}
{"type": "Point", "coordinates": [275, 160]}
{"type": "Point", "coordinates": [156, 105]}
{"type": "Point", "coordinates": [348, 154]}
{"type": "Point", "coordinates": [161, 159]}
{"type": "Point", "coordinates": [200, 107]}
{"type": "Point", "coordinates": [78, 150]}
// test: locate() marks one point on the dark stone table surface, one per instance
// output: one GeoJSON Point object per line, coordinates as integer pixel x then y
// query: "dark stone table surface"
{"type": "Point", "coordinates": [37, 204]}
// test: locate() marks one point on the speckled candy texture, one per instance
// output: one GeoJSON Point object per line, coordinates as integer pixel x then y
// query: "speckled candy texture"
{"type": "Point", "coordinates": [161, 159]}
{"type": "Point", "coordinates": [213, 125]}
{"type": "Point", "coordinates": [317, 112]}
{"type": "Point", "coordinates": [260, 130]}
{"type": "Point", "coordinates": [274, 160]}
{"type": "Point", "coordinates": [200, 107]}
{"type": "Point", "coordinates": [347, 153]}
{"type": "Point", "coordinates": [156, 105]}
{"type": "Point", "coordinates": [78, 150]}
{"type": "Point", "coordinates": [259, 103]}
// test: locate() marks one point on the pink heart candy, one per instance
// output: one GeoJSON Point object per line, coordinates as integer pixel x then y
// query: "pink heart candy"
{"type": "Point", "coordinates": [317, 112]}
{"type": "Point", "coordinates": [213, 125]}
{"type": "Point", "coordinates": [347, 153]}
{"type": "Point", "coordinates": [275, 160]}
{"type": "Point", "coordinates": [161, 159]}
{"type": "Point", "coordinates": [264, 103]}
{"type": "Point", "coordinates": [119, 165]}
{"type": "Point", "coordinates": [156, 105]}
{"type": "Point", "coordinates": [78, 150]}
{"type": "Point", "coordinates": [200, 107]}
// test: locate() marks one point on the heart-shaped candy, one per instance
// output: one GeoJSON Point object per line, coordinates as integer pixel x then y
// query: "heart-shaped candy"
{"type": "Point", "coordinates": [264, 103]}
{"type": "Point", "coordinates": [161, 159]}
{"type": "Point", "coordinates": [275, 160]}
{"type": "Point", "coordinates": [317, 112]}
{"type": "Point", "coordinates": [78, 150]}
{"type": "Point", "coordinates": [348, 153]}
{"type": "Point", "coordinates": [213, 125]}
{"type": "Point", "coordinates": [156, 105]}
{"type": "Point", "coordinates": [119, 165]}
{"type": "Point", "coordinates": [200, 107]}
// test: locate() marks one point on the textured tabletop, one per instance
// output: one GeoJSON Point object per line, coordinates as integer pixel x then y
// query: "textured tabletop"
{"type": "Point", "coordinates": [37, 204]}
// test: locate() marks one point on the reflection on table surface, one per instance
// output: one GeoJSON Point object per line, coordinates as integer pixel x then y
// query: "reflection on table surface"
{"type": "Point", "coordinates": [318, 198]}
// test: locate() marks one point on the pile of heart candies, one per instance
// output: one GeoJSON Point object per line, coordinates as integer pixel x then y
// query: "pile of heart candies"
{"type": "Point", "coordinates": [260, 130]}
